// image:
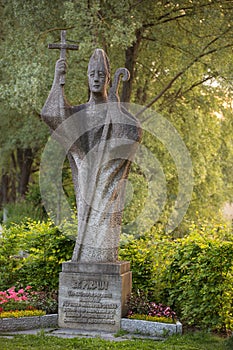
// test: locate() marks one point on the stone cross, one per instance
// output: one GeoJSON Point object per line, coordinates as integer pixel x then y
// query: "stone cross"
{"type": "Point", "coordinates": [63, 46]}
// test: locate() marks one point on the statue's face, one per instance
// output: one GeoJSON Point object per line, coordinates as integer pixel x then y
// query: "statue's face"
{"type": "Point", "coordinates": [98, 79]}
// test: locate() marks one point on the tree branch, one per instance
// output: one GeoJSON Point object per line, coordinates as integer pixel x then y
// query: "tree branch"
{"type": "Point", "coordinates": [196, 59]}
{"type": "Point", "coordinates": [168, 44]}
{"type": "Point", "coordinates": [197, 84]}
{"type": "Point", "coordinates": [168, 86]}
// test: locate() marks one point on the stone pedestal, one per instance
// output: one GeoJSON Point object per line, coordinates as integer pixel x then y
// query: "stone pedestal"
{"type": "Point", "coordinates": [93, 296]}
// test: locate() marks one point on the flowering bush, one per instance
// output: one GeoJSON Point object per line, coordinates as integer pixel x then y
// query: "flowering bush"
{"type": "Point", "coordinates": [12, 300]}
{"type": "Point", "coordinates": [26, 299]}
{"type": "Point", "coordinates": [46, 301]}
{"type": "Point", "coordinates": [140, 305]}
{"type": "Point", "coordinates": [161, 310]}
{"type": "Point", "coordinates": [18, 304]}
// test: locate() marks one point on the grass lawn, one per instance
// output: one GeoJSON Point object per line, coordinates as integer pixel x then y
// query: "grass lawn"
{"type": "Point", "coordinates": [190, 341]}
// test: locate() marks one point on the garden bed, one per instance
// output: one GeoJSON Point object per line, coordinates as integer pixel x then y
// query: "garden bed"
{"type": "Point", "coordinates": [26, 323]}
{"type": "Point", "coordinates": [156, 329]}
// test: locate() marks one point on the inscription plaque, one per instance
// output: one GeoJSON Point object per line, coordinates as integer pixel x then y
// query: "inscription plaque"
{"type": "Point", "coordinates": [91, 300]}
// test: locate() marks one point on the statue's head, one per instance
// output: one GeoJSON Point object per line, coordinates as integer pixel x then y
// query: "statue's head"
{"type": "Point", "coordinates": [98, 72]}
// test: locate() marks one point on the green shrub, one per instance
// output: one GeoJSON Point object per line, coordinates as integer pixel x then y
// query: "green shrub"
{"type": "Point", "coordinates": [22, 211]}
{"type": "Point", "coordinates": [148, 255]}
{"type": "Point", "coordinates": [32, 254]}
{"type": "Point", "coordinates": [29, 208]}
{"type": "Point", "coordinates": [140, 254]}
{"type": "Point", "coordinates": [10, 259]}
{"type": "Point", "coordinates": [200, 278]}
{"type": "Point", "coordinates": [194, 274]}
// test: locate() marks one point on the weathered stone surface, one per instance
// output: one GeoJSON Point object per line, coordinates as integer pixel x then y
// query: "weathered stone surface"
{"type": "Point", "coordinates": [156, 329]}
{"type": "Point", "coordinates": [49, 321]}
{"type": "Point", "coordinates": [93, 298]}
{"type": "Point", "coordinates": [100, 138]}
{"type": "Point", "coordinates": [117, 268]}
{"type": "Point", "coordinates": [25, 323]}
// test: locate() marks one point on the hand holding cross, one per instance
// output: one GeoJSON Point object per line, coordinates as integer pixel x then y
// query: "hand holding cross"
{"type": "Point", "coordinates": [63, 46]}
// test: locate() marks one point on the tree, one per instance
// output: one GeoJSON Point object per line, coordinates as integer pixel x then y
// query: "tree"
{"type": "Point", "coordinates": [22, 92]}
{"type": "Point", "coordinates": [179, 54]}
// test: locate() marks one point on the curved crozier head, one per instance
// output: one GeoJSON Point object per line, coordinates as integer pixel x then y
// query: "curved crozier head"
{"type": "Point", "coordinates": [98, 71]}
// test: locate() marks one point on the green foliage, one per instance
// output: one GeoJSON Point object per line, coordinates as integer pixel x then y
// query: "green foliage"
{"type": "Point", "coordinates": [22, 211]}
{"type": "Point", "coordinates": [199, 277]}
{"type": "Point", "coordinates": [140, 254]}
{"type": "Point", "coordinates": [166, 44]}
{"type": "Point", "coordinates": [134, 207]}
{"type": "Point", "coordinates": [44, 300]}
{"type": "Point", "coordinates": [149, 255]}
{"type": "Point", "coordinates": [31, 254]}
{"type": "Point", "coordinates": [172, 52]}
{"type": "Point", "coordinates": [193, 275]}
{"type": "Point", "coordinates": [10, 260]}
{"type": "Point", "coordinates": [229, 343]}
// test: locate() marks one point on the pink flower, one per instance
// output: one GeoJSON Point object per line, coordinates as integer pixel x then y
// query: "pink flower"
{"type": "Point", "coordinates": [12, 296]}
{"type": "Point", "coordinates": [3, 293]}
{"type": "Point", "coordinates": [28, 287]}
{"type": "Point", "coordinates": [21, 291]}
{"type": "Point", "coordinates": [17, 299]}
{"type": "Point", "coordinates": [3, 296]}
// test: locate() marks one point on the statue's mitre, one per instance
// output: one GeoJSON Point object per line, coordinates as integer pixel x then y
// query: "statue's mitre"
{"type": "Point", "coordinates": [99, 59]}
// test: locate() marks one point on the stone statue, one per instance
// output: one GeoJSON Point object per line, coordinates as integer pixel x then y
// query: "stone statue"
{"type": "Point", "coordinates": [100, 157]}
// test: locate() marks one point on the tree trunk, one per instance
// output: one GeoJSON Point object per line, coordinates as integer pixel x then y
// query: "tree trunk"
{"type": "Point", "coordinates": [131, 54]}
{"type": "Point", "coordinates": [4, 184]}
{"type": "Point", "coordinates": [24, 160]}
{"type": "Point", "coordinates": [14, 181]}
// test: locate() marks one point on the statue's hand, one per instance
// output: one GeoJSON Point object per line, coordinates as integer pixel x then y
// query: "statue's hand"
{"type": "Point", "coordinates": [60, 69]}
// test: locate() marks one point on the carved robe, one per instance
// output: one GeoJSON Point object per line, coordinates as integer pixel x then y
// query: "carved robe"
{"type": "Point", "coordinates": [103, 141]}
